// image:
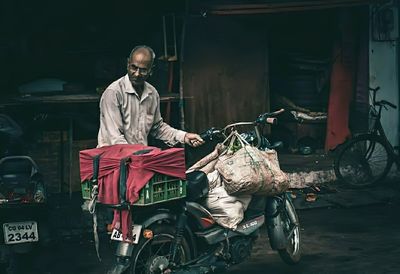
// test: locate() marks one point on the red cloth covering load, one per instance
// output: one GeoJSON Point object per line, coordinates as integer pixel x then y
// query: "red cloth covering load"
{"type": "Point", "coordinates": [140, 169]}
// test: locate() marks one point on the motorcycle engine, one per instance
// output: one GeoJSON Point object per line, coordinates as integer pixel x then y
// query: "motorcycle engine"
{"type": "Point", "coordinates": [240, 249]}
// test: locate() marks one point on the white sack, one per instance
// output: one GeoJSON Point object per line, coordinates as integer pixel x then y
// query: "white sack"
{"type": "Point", "coordinates": [228, 211]}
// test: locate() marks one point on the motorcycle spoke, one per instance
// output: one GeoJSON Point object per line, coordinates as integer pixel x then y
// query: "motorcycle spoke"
{"type": "Point", "coordinates": [142, 261]}
{"type": "Point", "coordinates": [161, 246]}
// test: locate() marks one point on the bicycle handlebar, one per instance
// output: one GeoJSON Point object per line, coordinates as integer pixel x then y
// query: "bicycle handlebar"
{"type": "Point", "coordinates": [375, 89]}
{"type": "Point", "coordinates": [385, 103]}
{"type": "Point", "coordinates": [381, 103]}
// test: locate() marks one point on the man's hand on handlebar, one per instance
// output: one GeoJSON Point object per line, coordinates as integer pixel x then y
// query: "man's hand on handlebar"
{"type": "Point", "coordinates": [193, 139]}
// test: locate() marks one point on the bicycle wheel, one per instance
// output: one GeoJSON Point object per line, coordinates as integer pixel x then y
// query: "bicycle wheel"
{"type": "Point", "coordinates": [363, 161]}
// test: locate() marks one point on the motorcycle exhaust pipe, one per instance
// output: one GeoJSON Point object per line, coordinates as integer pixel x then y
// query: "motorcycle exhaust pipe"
{"type": "Point", "coordinates": [123, 258]}
{"type": "Point", "coordinates": [124, 249]}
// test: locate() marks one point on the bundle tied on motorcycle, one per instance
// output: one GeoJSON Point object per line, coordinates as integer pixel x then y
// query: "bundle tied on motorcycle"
{"type": "Point", "coordinates": [140, 164]}
{"type": "Point", "coordinates": [235, 171]}
{"type": "Point", "coordinates": [248, 170]}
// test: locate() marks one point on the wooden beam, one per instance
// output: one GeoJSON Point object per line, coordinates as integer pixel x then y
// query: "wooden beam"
{"type": "Point", "coordinates": [242, 9]}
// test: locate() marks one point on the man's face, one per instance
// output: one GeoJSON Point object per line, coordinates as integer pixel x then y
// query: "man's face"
{"type": "Point", "coordinates": [139, 67]}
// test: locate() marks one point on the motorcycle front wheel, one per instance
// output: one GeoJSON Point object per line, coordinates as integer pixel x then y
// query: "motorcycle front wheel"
{"type": "Point", "coordinates": [154, 255]}
{"type": "Point", "coordinates": [291, 228]}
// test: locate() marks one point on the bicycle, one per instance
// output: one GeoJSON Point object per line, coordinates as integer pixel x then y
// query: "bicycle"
{"type": "Point", "coordinates": [367, 158]}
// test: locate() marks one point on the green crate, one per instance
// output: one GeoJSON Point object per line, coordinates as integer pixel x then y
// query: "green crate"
{"type": "Point", "coordinates": [160, 188]}
{"type": "Point", "coordinates": [86, 189]}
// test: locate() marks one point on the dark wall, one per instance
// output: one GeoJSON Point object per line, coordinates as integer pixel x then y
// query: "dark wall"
{"type": "Point", "coordinates": [84, 43]}
{"type": "Point", "coordinates": [301, 57]}
{"type": "Point", "coordinates": [225, 70]}
{"type": "Point", "coordinates": [77, 41]}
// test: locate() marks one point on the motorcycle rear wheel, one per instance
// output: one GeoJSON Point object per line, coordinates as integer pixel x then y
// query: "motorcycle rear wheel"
{"type": "Point", "coordinates": [150, 253]}
{"type": "Point", "coordinates": [290, 223]}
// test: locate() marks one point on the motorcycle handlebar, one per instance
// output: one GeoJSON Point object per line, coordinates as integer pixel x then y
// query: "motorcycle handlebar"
{"type": "Point", "coordinates": [272, 121]}
{"type": "Point", "coordinates": [269, 117]}
{"type": "Point", "coordinates": [265, 118]}
{"type": "Point", "coordinates": [210, 133]}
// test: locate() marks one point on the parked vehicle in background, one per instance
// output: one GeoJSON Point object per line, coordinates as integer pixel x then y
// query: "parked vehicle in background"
{"type": "Point", "coordinates": [367, 158]}
{"type": "Point", "coordinates": [23, 201]}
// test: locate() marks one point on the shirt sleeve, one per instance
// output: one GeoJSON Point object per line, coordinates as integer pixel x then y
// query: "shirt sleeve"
{"type": "Point", "coordinates": [111, 124]}
{"type": "Point", "coordinates": [165, 132]}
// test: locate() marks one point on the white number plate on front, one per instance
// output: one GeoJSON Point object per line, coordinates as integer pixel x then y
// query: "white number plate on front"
{"type": "Point", "coordinates": [116, 235]}
{"type": "Point", "coordinates": [21, 232]}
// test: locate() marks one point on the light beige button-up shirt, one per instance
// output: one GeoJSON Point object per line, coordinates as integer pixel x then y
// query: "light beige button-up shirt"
{"type": "Point", "coordinates": [126, 119]}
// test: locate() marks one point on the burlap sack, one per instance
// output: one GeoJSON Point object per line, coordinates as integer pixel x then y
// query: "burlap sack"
{"type": "Point", "coordinates": [251, 171]}
{"type": "Point", "coordinates": [207, 163]}
{"type": "Point", "coordinates": [279, 180]}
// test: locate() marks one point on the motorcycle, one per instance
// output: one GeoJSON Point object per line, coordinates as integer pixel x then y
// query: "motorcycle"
{"type": "Point", "coordinates": [23, 203]}
{"type": "Point", "coordinates": [181, 236]}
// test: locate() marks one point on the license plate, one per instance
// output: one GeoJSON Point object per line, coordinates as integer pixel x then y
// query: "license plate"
{"type": "Point", "coordinates": [116, 235]}
{"type": "Point", "coordinates": [21, 232]}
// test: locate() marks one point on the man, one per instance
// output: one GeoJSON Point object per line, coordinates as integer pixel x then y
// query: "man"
{"type": "Point", "coordinates": [130, 108]}
{"type": "Point", "coordinates": [129, 112]}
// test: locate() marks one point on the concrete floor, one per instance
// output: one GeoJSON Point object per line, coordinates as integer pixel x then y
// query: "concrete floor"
{"type": "Point", "coordinates": [337, 238]}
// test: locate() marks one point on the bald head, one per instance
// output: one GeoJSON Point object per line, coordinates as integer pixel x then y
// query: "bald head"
{"type": "Point", "coordinates": [143, 53]}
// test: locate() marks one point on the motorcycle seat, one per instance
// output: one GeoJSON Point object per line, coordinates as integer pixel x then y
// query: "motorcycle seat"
{"type": "Point", "coordinates": [17, 170]}
{"type": "Point", "coordinates": [276, 145]}
{"type": "Point", "coordinates": [197, 185]}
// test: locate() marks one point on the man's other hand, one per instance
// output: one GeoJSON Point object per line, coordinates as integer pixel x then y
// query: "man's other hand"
{"type": "Point", "coordinates": [193, 139]}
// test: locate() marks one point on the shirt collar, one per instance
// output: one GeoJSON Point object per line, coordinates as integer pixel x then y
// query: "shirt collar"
{"type": "Point", "coordinates": [130, 89]}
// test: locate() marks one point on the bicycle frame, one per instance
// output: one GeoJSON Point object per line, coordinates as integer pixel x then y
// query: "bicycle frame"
{"type": "Point", "coordinates": [377, 128]}
{"type": "Point", "coordinates": [367, 158]}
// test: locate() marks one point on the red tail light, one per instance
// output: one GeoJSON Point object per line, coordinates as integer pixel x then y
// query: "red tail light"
{"type": "Point", "coordinates": [206, 222]}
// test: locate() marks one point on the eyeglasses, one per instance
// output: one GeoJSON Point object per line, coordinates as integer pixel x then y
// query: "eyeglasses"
{"type": "Point", "coordinates": [142, 71]}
